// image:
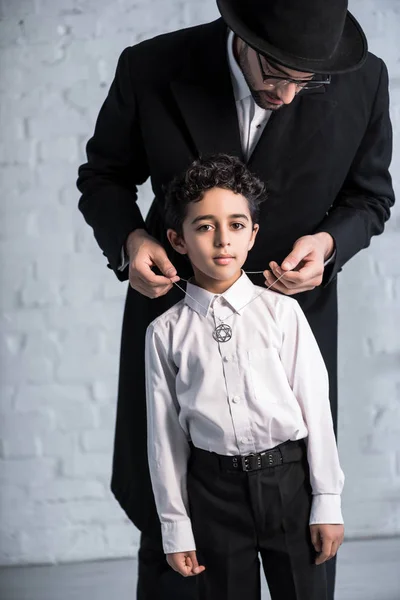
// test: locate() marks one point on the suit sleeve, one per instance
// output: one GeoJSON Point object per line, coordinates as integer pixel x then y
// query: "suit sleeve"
{"type": "Point", "coordinates": [167, 447]}
{"type": "Point", "coordinates": [363, 205]}
{"type": "Point", "coordinates": [116, 165]}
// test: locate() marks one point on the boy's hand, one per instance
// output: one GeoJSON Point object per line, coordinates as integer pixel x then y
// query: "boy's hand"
{"type": "Point", "coordinates": [326, 540]}
{"type": "Point", "coordinates": [185, 563]}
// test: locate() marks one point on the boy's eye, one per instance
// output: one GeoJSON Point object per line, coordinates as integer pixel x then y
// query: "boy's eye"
{"type": "Point", "coordinates": [240, 225]}
{"type": "Point", "coordinates": [236, 226]}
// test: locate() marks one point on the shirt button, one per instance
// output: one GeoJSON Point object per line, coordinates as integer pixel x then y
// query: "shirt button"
{"type": "Point", "coordinates": [244, 440]}
{"type": "Point", "coordinates": [227, 358]}
{"type": "Point", "coordinates": [236, 399]}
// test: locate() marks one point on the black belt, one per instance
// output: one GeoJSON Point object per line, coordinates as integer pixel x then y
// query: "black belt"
{"type": "Point", "coordinates": [290, 451]}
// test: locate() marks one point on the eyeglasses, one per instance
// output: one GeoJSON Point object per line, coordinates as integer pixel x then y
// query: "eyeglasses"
{"type": "Point", "coordinates": [302, 84]}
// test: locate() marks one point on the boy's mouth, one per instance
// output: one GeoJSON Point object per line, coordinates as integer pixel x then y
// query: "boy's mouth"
{"type": "Point", "coordinates": [223, 259]}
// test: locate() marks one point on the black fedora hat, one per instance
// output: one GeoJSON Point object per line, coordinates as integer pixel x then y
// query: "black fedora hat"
{"type": "Point", "coordinates": [316, 36]}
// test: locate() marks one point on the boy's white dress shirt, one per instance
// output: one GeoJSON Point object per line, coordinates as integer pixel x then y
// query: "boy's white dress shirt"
{"type": "Point", "coordinates": [267, 385]}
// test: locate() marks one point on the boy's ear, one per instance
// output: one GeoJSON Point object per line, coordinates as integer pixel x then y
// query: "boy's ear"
{"type": "Point", "coordinates": [176, 241]}
{"type": "Point", "coordinates": [256, 228]}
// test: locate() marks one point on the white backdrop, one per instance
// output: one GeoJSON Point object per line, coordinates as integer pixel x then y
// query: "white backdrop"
{"type": "Point", "coordinates": [61, 307]}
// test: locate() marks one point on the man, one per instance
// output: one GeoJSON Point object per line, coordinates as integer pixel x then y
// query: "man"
{"type": "Point", "coordinates": [289, 87]}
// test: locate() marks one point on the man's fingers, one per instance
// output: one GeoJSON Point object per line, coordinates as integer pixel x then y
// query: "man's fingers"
{"type": "Point", "coordinates": [145, 252]}
{"type": "Point", "coordinates": [152, 255]}
{"type": "Point", "coordinates": [306, 246]}
{"type": "Point", "coordinates": [306, 278]}
{"type": "Point", "coordinates": [289, 280]}
{"type": "Point", "coordinates": [270, 282]}
{"type": "Point", "coordinates": [301, 249]}
{"type": "Point", "coordinates": [149, 292]}
{"type": "Point", "coordinates": [294, 258]}
{"type": "Point", "coordinates": [143, 279]}
{"type": "Point", "coordinates": [144, 272]}
{"type": "Point", "coordinates": [311, 269]}
{"type": "Point", "coordinates": [161, 260]}
{"type": "Point", "coordinates": [137, 285]}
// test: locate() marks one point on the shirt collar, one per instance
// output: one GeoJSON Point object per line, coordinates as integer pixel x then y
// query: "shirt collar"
{"type": "Point", "coordinates": [240, 88]}
{"type": "Point", "coordinates": [237, 296]}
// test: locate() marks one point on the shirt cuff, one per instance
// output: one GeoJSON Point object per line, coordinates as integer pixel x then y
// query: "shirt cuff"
{"type": "Point", "coordinates": [124, 262]}
{"type": "Point", "coordinates": [177, 536]}
{"type": "Point", "coordinates": [330, 259]}
{"type": "Point", "coordinates": [326, 509]}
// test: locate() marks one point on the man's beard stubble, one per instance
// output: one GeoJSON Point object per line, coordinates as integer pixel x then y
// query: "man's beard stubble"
{"type": "Point", "coordinates": [259, 97]}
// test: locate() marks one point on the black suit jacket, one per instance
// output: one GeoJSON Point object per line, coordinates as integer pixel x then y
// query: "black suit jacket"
{"type": "Point", "coordinates": [325, 160]}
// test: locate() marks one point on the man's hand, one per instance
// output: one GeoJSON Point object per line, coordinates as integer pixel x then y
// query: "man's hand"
{"type": "Point", "coordinates": [145, 252]}
{"type": "Point", "coordinates": [185, 563]}
{"type": "Point", "coordinates": [326, 540]}
{"type": "Point", "coordinates": [304, 265]}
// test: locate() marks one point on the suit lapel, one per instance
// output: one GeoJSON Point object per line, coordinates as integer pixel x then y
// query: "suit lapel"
{"type": "Point", "coordinates": [290, 129]}
{"type": "Point", "coordinates": [205, 98]}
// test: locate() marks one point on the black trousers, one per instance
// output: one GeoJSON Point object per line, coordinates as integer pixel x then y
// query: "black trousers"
{"type": "Point", "coordinates": [236, 516]}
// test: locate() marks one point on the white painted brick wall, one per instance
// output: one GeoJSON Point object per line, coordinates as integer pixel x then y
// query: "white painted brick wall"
{"type": "Point", "coordinates": [61, 308]}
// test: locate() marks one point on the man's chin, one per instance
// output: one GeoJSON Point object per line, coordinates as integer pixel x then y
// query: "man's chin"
{"type": "Point", "coordinates": [273, 106]}
{"type": "Point", "coordinates": [264, 103]}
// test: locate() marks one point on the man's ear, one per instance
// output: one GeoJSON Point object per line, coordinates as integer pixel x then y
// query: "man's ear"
{"type": "Point", "coordinates": [176, 241]}
{"type": "Point", "coordinates": [256, 228]}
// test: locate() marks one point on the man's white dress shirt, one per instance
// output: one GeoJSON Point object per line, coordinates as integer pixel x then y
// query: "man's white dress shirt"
{"type": "Point", "coordinates": [266, 385]}
{"type": "Point", "coordinates": [252, 118]}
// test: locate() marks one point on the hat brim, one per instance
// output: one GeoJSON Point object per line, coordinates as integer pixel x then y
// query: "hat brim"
{"type": "Point", "coordinates": [349, 55]}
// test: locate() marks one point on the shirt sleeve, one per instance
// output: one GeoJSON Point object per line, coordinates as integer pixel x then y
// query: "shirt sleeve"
{"type": "Point", "coordinates": [330, 259]}
{"type": "Point", "coordinates": [168, 447]}
{"type": "Point", "coordinates": [308, 378]}
{"type": "Point", "coordinates": [124, 260]}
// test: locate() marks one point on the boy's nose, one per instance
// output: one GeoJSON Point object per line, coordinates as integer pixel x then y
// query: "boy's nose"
{"type": "Point", "coordinates": [222, 239]}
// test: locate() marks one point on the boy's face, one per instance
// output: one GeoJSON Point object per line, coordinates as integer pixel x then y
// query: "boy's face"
{"type": "Point", "coordinates": [217, 234]}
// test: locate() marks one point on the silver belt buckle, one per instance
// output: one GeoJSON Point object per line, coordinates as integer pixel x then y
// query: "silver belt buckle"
{"type": "Point", "coordinates": [245, 462]}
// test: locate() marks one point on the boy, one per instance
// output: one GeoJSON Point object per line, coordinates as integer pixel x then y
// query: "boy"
{"type": "Point", "coordinates": [241, 448]}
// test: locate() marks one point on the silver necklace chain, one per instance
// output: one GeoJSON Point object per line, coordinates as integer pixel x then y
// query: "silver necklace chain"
{"type": "Point", "coordinates": [229, 316]}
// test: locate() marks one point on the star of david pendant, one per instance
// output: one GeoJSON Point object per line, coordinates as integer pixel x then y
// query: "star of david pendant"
{"type": "Point", "coordinates": [222, 333]}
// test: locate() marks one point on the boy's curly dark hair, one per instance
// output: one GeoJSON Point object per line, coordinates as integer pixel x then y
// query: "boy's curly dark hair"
{"type": "Point", "coordinates": [205, 173]}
